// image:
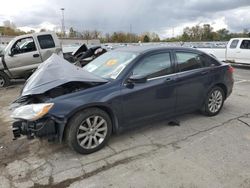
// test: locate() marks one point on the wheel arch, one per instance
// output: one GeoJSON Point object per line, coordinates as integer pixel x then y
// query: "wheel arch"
{"type": "Point", "coordinates": [223, 87]}
{"type": "Point", "coordinates": [5, 77]}
{"type": "Point", "coordinates": [106, 109]}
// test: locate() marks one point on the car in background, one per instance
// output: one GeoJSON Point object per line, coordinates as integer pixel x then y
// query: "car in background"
{"type": "Point", "coordinates": [119, 90]}
{"type": "Point", "coordinates": [22, 56]}
{"type": "Point", "coordinates": [25, 53]}
{"type": "Point", "coordinates": [237, 51]}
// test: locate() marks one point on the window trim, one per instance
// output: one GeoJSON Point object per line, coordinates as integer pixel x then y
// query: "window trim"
{"type": "Point", "coordinates": [160, 77]}
{"type": "Point", "coordinates": [43, 36]}
{"type": "Point", "coordinates": [22, 39]}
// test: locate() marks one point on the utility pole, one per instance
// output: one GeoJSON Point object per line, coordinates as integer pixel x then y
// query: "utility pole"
{"type": "Point", "coordinates": [63, 26]}
{"type": "Point", "coordinates": [130, 31]}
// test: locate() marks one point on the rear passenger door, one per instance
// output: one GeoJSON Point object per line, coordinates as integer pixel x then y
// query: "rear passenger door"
{"type": "Point", "coordinates": [47, 46]}
{"type": "Point", "coordinates": [194, 79]}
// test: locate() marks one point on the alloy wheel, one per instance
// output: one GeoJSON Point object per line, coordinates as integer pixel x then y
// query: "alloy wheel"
{"type": "Point", "coordinates": [92, 132]}
{"type": "Point", "coordinates": [215, 101]}
{"type": "Point", "coordinates": [2, 81]}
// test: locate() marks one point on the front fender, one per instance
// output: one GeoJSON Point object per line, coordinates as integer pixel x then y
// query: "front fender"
{"type": "Point", "coordinates": [62, 118]}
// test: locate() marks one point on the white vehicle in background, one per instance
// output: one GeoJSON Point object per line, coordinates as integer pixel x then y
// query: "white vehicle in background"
{"type": "Point", "coordinates": [236, 51]}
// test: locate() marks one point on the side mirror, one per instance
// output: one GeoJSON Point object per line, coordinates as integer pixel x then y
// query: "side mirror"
{"type": "Point", "coordinates": [13, 51]}
{"type": "Point", "coordinates": [137, 79]}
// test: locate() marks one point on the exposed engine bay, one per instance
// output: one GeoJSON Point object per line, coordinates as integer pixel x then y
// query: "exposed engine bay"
{"type": "Point", "coordinates": [64, 89]}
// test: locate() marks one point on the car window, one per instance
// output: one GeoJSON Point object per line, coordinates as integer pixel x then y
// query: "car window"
{"type": "Point", "coordinates": [189, 61]}
{"type": "Point", "coordinates": [154, 66]}
{"type": "Point", "coordinates": [245, 44]}
{"type": "Point", "coordinates": [234, 44]}
{"type": "Point", "coordinates": [211, 61]}
{"type": "Point", "coordinates": [208, 61]}
{"type": "Point", "coordinates": [46, 41]}
{"type": "Point", "coordinates": [23, 45]}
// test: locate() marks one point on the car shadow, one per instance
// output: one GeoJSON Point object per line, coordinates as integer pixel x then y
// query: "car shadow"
{"type": "Point", "coordinates": [14, 84]}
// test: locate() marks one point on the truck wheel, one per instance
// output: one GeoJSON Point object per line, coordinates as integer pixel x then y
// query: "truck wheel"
{"type": "Point", "coordinates": [214, 101]}
{"type": "Point", "coordinates": [4, 80]}
{"type": "Point", "coordinates": [89, 130]}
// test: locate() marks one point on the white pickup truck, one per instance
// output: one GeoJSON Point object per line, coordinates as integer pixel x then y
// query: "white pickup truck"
{"type": "Point", "coordinates": [236, 51]}
{"type": "Point", "coordinates": [24, 54]}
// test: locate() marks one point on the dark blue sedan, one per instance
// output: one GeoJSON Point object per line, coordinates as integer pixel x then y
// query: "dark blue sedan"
{"type": "Point", "coordinates": [118, 90]}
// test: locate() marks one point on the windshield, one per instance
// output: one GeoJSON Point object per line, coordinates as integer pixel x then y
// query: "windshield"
{"type": "Point", "coordinates": [110, 64]}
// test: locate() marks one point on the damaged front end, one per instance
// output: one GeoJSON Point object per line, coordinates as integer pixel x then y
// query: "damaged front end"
{"type": "Point", "coordinates": [32, 110]}
{"type": "Point", "coordinates": [32, 120]}
{"type": "Point", "coordinates": [48, 126]}
{"type": "Point", "coordinates": [42, 128]}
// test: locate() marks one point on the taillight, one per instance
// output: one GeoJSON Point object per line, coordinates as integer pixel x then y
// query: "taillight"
{"type": "Point", "coordinates": [230, 69]}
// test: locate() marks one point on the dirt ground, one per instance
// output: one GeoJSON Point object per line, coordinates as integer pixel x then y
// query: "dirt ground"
{"type": "Point", "coordinates": [202, 152]}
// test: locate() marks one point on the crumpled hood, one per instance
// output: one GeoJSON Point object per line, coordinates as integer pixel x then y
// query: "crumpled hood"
{"type": "Point", "coordinates": [54, 72]}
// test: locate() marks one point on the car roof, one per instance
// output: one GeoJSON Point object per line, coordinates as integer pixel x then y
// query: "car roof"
{"type": "Point", "coordinates": [149, 48]}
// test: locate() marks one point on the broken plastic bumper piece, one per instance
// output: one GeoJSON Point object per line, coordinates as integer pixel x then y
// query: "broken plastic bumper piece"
{"type": "Point", "coordinates": [42, 128]}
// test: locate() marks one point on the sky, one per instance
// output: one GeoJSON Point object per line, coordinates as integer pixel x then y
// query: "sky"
{"type": "Point", "coordinates": [165, 17]}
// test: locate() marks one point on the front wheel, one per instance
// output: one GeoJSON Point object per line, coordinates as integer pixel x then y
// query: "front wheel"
{"type": "Point", "coordinates": [89, 130]}
{"type": "Point", "coordinates": [214, 101]}
{"type": "Point", "coordinates": [4, 80]}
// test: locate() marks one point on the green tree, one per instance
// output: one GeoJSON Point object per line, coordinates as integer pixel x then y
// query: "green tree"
{"type": "Point", "coordinates": [223, 34]}
{"type": "Point", "coordinates": [207, 32]}
{"type": "Point", "coordinates": [72, 32]}
{"type": "Point", "coordinates": [146, 38]}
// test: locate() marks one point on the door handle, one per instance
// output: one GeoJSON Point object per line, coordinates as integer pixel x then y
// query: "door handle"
{"type": "Point", "coordinates": [204, 72]}
{"type": "Point", "coordinates": [36, 55]}
{"type": "Point", "coordinates": [169, 79]}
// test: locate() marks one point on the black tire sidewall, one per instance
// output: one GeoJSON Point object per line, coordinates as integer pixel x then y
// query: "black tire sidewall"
{"type": "Point", "coordinates": [207, 111]}
{"type": "Point", "coordinates": [75, 122]}
{"type": "Point", "coordinates": [6, 79]}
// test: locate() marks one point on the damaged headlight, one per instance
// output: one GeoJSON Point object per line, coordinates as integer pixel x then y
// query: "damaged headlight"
{"type": "Point", "coordinates": [32, 111]}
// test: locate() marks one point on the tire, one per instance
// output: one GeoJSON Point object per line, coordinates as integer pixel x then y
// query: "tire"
{"type": "Point", "coordinates": [214, 101]}
{"type": "Point", "coordinates": [83, 134]}
{"type": "Point", "coordinates": [4, 80]}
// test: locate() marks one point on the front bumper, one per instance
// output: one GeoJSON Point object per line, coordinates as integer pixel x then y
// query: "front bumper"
{"type": "Point", "coordinates": [41, 128]}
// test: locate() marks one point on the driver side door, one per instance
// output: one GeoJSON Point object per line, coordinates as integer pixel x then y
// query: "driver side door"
{"type": "Point", "coordinates": [23, 57]}
{"type": "Point", "coordinates": [156, 98]}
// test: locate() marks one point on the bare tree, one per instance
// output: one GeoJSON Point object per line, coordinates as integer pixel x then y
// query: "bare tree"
{"type": "Point", "coordinates": [96, 34]}
{"type": "Point", "coordinates": [86, 34]}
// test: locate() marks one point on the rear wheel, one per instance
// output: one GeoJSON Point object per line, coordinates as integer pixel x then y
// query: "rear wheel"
{"type": "Point", "coordinates": [4, 80]}
{"type": "Point", "coordinates": [89, 130]}
{"type": "Point", "coordinates": [214, 101]}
